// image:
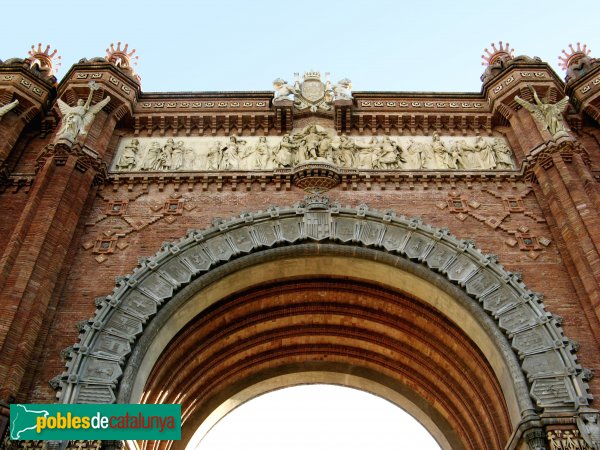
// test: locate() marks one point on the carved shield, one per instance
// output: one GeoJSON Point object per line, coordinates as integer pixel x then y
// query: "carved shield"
{"type": "Point", "coordinates": [313, 90]}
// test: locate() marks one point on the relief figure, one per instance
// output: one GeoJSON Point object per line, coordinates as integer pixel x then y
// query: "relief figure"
{"type": "Point", "coordinates": [503, 154]}
{"type": "Point", "coordinates": [486, 153]}
{"type": "Point", "coordinates": [177, 156]}
{"type": "Point", "coordinates": [128, 159]}
{"type": "Point", "coordinates": [283, 156]}
{"type": "Point", "coordinates": [151, 160]}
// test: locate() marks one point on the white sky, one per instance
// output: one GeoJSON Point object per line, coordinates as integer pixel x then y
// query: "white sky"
{"type": "Point", "coordinates": [244, 45]}
{"type": "Point", "coordinates": [318, 417]}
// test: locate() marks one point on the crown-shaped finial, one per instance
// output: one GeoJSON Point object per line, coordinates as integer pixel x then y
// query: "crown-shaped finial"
{"type": "Point", "coordinates": [44, 59]}
{"type": "Point", "coordinates": [119, 57]}
{"type": "Point", "coordinates": [312, 75]}
{"type": "Point", "coordinates": [573, 56]}
{"type": "Point", "coordinates": [504, 52]}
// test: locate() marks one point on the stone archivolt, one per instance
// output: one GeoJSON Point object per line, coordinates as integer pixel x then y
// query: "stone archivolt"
{"type": "Point", "coordinates": [312, 144]}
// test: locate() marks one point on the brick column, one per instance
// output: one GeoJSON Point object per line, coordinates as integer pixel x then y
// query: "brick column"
{"type": "Point", "coordinates": [66, 178]}
{"type": "Point", "coordinates": [576, 214]}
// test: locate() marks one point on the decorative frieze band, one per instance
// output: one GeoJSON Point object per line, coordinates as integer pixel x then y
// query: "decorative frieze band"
{"type": "Point", "coordinates": [313, 143]}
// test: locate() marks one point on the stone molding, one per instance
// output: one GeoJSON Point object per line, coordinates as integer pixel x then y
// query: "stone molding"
{"type": "Point", "coordinates": [547, 358]}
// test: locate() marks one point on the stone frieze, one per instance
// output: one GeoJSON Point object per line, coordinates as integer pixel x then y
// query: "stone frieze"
{"type": "Point", "coordinates": [313, 143]}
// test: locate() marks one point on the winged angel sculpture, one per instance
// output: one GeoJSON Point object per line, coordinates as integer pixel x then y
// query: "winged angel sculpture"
{"type": "Point", "coordinates": [548, 114]}
{"type": "Point", "coordinates": [77, 119]}
{"type": "Point", "coordinates": [6, 108]}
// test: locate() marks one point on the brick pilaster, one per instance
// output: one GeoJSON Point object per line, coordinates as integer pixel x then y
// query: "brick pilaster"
{"type": "Point", "coordinates": [578, 221]}
{"type": "Point", "coordinates": [37, 253]}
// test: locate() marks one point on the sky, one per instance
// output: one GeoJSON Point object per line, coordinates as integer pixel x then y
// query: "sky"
{"type": "Point", "coordinates": [244, 45]}
{"type": "Point", "coordinates": [318, 417]}
{"type": "Point", "coordinates": [433, 46]}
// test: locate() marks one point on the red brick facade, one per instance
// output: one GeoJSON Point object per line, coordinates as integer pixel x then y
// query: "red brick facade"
{"type": "Point", "coordinates": [70, 226]}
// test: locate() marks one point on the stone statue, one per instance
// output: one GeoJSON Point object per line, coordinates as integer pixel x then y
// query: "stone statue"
{"type": "Point", "coordinates": [283, 156]}
{"type": "Point", "coordinates": [428, 160]}
{"type": "Point", "coordinates": [342, 90]}
{"type": "Point", "coordinates": [77, 119]}
{"type": "Point", "coordinates": [257, 157]}
{"type": "Point", "coordinates": [454, 159]}
{"type": "Point", "coordinates": [366, 154]}
{"type": "Point", "coordinates": [503, 154]}
{"type": "Point", "coordinates": [128, 159]}
{"type": "Point", "coordinates": [6, 108]}
{"type": "Point", "coordinates": [486, 153]}
{"type": "Point", "coordinates": [214, 156]}
{"type": "Point", "coordinates": [346, 152]}
{"type": "Point", "coordinates": [189, 158]}
{"type": "Point", "coordinates": [389, 155]}
{"type": "Point", "coordinates": [230, 154]}
{"type": "Point", "coordinates": [443, 158]}
{"type": "Point", "coordinates": [548, 114]}
{"type": "Point", "coordinates": [177, 156]}
{"type": "Point", "coordinates": [469, 155]}
{"type": "Point", "coordinates": [589, 427]}
{"type": "Point", "coordinates": [165, 158]}
{"type": "Point", "coordinates": [283, 91]}
{"type": "Point", "coordinates": [152, 158]}
{"type": "Point", "coordinates": [313, 141]}
{"type": "Point", "coordinates": [413, 156]}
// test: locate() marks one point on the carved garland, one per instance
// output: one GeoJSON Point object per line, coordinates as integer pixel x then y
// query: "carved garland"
{"type": "Point", "coordinates": [546, 357]}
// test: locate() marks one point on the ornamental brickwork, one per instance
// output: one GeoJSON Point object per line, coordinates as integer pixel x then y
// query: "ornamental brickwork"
{"type": "Point", "coordinates": [444, 248]}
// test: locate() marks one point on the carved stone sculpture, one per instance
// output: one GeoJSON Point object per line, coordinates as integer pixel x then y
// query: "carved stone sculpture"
{"type": "Point", "coordinates": [6, 108]}
{"type": "Point", "coordinates": [177, 156]}
{"type": "Point", "coordinates": [312, 93]}
{"type": "Point", "coordinates": [283, 91]}
{"type": "Point", "coordinates": [589, 427]}
{"type": "Point", "coordinates": [549, 115]}
{"type": "Point", "coordinates": [389, 155]}
{"type": "Point", "coordinates": [77, 119]}
{"type": "Point", "coordinates": [342, 90]}
{"type": "Point", "coordinates": [503, 154]}
{"type": "Point", "coordinates": [346, 152]}
{"type": "Point", "coordinates": [313, 143]}
{"type": "Point", "coordinates": [150, 163]}
{"type": "Point", "coordinates": [487, 155]}
{"type": "Point", "coordinates": [283, 156]}
{"type": "Point", "coordinates": [128, 159]}
{"type": "Point", "coordinates": [230, 154]}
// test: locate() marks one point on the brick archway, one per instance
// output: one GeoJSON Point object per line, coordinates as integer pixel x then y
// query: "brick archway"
{"type": "Point", "coordinates": [523, 344]}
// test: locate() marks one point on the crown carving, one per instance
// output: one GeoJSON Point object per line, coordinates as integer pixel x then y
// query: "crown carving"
{"type": "Point", "coordinates": [46, 61]}
{"type": "Point", "coordinates": [573, 55]}
{"type": "Point", "coordinates": [312, 75]}
{"type": "Point", "coordinates": [503, 52]}
{"type": "Point", "coordinates": [120, 58]}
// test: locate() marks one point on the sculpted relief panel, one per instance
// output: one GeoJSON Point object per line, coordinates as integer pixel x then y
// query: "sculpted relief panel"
{"type": "Point", "coordinates": [312, 144]}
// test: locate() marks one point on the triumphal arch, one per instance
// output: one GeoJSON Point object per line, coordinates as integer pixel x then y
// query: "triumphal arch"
{"type": "Point", "coordinates": [440, 250]}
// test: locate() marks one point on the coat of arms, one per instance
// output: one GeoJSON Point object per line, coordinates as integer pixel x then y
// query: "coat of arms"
{"type": "Point", "coordinates": [312, 93]}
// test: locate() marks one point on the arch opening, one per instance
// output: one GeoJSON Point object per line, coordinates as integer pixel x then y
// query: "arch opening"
{"type": "Point", "coordinates": [314, 416]}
